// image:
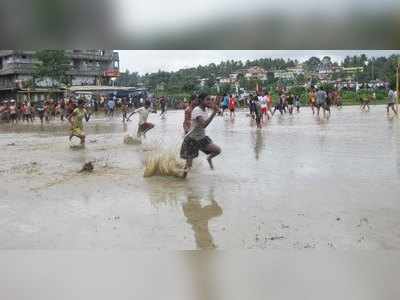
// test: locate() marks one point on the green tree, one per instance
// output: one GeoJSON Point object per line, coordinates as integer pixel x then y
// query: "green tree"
{"type": "Point", "coordinates": [128, 79]}
{"type": "Point", "coordinates": [312, 64]}
{"type": "Point", "coordinates": [51, 65]}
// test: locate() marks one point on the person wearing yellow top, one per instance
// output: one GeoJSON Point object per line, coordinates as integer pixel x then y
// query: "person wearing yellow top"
{"type": "Point", "coordinates": [76, 120]}
{"type": "Point", "coordinates": [311, 99]}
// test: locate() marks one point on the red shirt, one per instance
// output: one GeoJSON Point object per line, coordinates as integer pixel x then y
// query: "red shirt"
{"type": "Point", "coordinates": [232, 103]}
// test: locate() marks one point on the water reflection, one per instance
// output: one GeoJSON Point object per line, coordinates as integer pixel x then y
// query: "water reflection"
{"type": "Point", "coordinates": [198, 216]}
{"type": "Point", "coordinates": [258, 142]}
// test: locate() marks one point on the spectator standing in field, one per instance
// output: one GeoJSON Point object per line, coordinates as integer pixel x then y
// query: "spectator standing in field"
{"type": "Point", "coordinates": [232, 106]}
{"type": "Point", "coordinates": [321, 100]}
{"type": "Point", "coordinates": [391, 101]}
{"type": "Point", "coordinates": [297, 103]}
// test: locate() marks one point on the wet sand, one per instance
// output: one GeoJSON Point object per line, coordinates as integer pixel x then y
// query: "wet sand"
{"type": "Point", "coordinates": [298, 183]}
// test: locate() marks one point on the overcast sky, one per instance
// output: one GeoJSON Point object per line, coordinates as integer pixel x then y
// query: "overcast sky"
{"type": "Point", "coordinates": [143, 17]}
{"type": "Point", "coordinates": [147, 61]}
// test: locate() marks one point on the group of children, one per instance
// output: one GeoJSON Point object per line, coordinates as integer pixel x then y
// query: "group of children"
{"type": "Point", "coordinates": [195, 123]}
{"type": "Point", "coordinates": [261, 106]}
{"type": "Point", "coordinates": [47, 110]}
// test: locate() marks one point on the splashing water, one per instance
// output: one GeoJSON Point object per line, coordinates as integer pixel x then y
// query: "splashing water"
{"type": "Point", "coordinates": [163, 163]}
{"type": "Point", "coordinates": [130, 140]}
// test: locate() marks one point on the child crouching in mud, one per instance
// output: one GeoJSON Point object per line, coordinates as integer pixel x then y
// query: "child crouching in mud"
{"type": "Point", "coordinates": [143, 126]}
{"type": "Point", "coordinates": [196, 139]}
{"type": "Point", "coordinates": [75, 118]}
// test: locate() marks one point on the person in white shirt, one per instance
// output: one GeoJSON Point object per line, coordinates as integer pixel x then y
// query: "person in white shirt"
{"type": "Point", "coordinates": [264, 108]}
{"type": "Point", "coordinates": [143, 125]}
{"type": "Point", "coordinates": [391, 101]}
{"type": "Point", "coordinates": [196, 139]}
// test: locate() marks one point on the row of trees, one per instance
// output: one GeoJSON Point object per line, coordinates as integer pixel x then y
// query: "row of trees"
{"type": "Point", "coordinates": [187, 80]}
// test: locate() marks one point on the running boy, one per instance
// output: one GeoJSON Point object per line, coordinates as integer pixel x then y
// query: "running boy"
{"type": "Point", "coordinates": [75, 118]}
{"type": "Point", "coordinates": [143, 125]}
{"type": "Point", "coordinates": [197, 139]}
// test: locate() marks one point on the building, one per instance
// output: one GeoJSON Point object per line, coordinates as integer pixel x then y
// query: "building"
{"type": "Point", "coordinates": [297, 70]}
{"type": "Point", "coordinates": [203, 81]}
{"type": "Point", "coordinates": [224, 80]}
{"type": "Point", "coordinates": [234, 77]}
{"type": "Point", "coordinates": [352, 70]}
{"type": "Point", "coordinates": [87, 67]}
{"type": "Point", "coordinates": [283, 74]}
{"type": "Point", "coordinates": [255, 73]}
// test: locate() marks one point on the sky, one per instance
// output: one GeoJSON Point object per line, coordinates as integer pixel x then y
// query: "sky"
{"type": "Point", "coordinates": [148, 61]}
{"type": "Point", "coordinates": [156, 15]}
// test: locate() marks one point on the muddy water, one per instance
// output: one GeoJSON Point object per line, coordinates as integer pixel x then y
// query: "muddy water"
{"type": "Point", "coordinates": [298, 183]}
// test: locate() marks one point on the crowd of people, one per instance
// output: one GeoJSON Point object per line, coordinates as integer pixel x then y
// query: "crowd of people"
{"type": "Point", "coordinates": [50, 109]}
{"type": "Point", "coordinates": [262, 107]}
{"type": "Point", "coordinates": [13, 112]}
{"type": "Point", "coordinates": [196, 117]}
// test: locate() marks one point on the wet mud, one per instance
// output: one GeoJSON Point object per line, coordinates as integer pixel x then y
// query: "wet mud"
{"type": "Point", "coordinates": [300, 182]}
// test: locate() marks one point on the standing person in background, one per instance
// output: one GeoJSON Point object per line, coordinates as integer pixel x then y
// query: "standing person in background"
{"type": "Point", "coordinates": [70, 107]}
{"type": "Point", "coordinates": [297, 102]}
{"type": "Point", "coordinates": [62, 109]}
{"type": "Point", "coordinates": [40, 110]}
{"type": "Point", "coordinates": [252, 106]}
{"type": "Point", "coordinates": [29, 111]}
{"type": "Point", "coordinates": [279, 105]}
{"type": "Point", "coordinates": [284, 101]}
{"type": "Point", "coordinates": [290, 101]}
{"type": "Point", "coordinates": [257, 109]}
{"type": "Point", "coordinates": [46, 111]}
{"type": "Point", "coordinates": [225, 103]}
{"type": "Point", "coordinates": [197, 140]}
{"type": "Point", "coordinates": [6, 110]}
{"type": "Point", "coordinates": [365, 103]}
{"type": "Point", "coordinates": [163, 103]}
{"type": "Point", "coordinates": [391, 100]}
{"type": "Point", "coordinates": [312, 99]}
{"type": "Point", "coordinates": [13, 112]}
{"type": "Point", "coordinates": [32, 110]}
{"type": "Point", "coordinates": [111, 107]}
{"type": "Point", "coordinates": [124, 109]}
{"type": "Point", "coordinates": [232, 107]}
{"type": "Point", "coordinates": [321, 100]}
{"type": "Point", "coordinates": [338, 99]}
{"type": "Point", "coordinates": [262, 99]}
{"type": "Point", "coordinates": [20, 115]}
{"type": "Point", "coordinates": [24, 112]}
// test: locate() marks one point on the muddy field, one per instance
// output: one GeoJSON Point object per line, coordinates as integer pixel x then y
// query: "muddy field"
{"type": "Point", "coordinates": [299, 183]}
